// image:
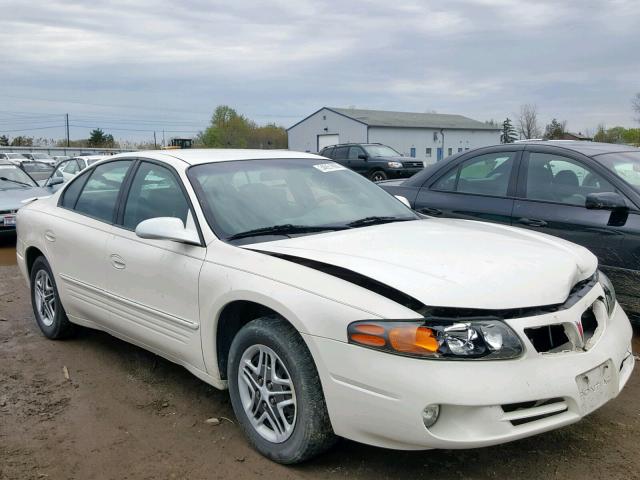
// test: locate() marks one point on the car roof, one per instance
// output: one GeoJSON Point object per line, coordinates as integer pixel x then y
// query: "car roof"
{"type": "Point", "coordinates": [351, 143]}
{"type": "Point", "coordinates": [197, 156]}
{"type": "Point", "coordinates": [586, 148]}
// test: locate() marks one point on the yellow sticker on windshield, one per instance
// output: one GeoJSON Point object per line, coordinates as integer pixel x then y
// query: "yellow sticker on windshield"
{"type": "Point", "coordinates": [329, 167]}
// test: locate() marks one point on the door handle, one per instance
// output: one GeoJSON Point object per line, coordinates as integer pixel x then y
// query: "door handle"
{"type": "Point", "coordinates": [430, 211]}
{"type": "Point", "coordinates": [49, 235]}
{"type": "Point", "coordinates": [532, 222]}
{"type": "Point", "coordinates": [118, 262]}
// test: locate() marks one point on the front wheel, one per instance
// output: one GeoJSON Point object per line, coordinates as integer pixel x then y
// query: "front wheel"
{"type": "Point", "coordinates": [378, 176]}
{"type": "Point", "coordinates": [276, 392]}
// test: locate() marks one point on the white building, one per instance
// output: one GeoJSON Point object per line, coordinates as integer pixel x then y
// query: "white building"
{"type": "Point", "coordinates": [424, 135]}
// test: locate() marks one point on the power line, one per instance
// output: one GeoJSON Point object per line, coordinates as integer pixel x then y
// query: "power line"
{"type": "Point", "coordinates": [29, 129]}
{"type": "Point", "coordinates": [134, 129]}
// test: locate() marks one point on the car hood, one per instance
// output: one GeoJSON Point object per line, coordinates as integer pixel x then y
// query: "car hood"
{"type": "Point", "coordinates": [11, 198]}
{"type": "Point", "coordinates": [396, 159]}
{"type": "Point", "coordinates": [452, 263]}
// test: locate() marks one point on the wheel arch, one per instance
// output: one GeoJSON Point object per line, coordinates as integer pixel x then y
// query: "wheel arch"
{"type": "Point", "coordinates": [30, 256]}
{"type": "Point", "coordinates": [232, 317]}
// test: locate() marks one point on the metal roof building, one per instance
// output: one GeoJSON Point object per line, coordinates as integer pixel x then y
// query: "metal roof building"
{"type": "Point", "coordinates": [424, 135]}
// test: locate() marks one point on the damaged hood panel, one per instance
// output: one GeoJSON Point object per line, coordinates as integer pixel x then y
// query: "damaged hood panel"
{"type": "Point", "coordinates": [452, 263]}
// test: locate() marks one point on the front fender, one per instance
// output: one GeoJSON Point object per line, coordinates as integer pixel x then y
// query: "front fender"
{"type": "Point", "coordinates": [309, 313]}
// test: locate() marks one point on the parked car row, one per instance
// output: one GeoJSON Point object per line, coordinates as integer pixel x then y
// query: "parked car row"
{"type": "Point", "coordinates": [329, 308]}
{"type": "Point", "coordinates": [21, 180]}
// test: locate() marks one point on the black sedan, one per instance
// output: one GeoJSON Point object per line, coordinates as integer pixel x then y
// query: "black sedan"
{"type": "Point", "coordinates": [584, 192]}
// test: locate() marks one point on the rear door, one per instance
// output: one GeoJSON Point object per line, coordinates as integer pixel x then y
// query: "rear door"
{"type": "Point", "coordinates": [478, 187]}
{"type": "Point", "coordinates": [76, 238]}
{"type": "Point", "coordinates": [552, 189]}
{"type": "Point", "coordinates": [340, 155]}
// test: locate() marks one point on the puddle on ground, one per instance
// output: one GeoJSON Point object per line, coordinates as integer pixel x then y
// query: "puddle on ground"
{"type": "Point", "coordinates": [7, 255]}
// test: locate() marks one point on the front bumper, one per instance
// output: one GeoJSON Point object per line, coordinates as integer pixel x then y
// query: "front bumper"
{"type": "Point", "coordinates": [378, 398]}
{"type": "Point", "coordinates": [402, 172]}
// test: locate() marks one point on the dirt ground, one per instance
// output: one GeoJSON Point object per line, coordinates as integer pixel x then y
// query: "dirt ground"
{"type": "Point", "coordinates": [127, 414]}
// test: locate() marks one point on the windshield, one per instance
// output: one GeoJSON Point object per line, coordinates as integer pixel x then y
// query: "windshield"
{"type": "Point", "coordinates": [37, 170]}
{"type": "Point", "coordinates": [241, 196]}
{"type": "Point", "coordinates": [14, 177]}
{"type": "Point", "coordinates": [381, 151]}
{"type": "Point", "coordinates": [626, 165]}
{"type": "Point", "coordinates": [41, 156]}
{"type": "Point", "coordinates": [15, 155]}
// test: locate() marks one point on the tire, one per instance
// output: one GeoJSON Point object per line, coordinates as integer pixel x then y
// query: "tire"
{"type": "Point", "coordinates": [50, 316]}
{"type": "Point", "coordinates": [378, 176]}
{"type": "Point", "coordinates": [310, 431]}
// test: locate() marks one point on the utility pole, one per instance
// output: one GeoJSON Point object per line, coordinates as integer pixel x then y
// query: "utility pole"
{"type": "Point", "coordinates": [155, 144]}
{"type": "Point", "coordinates": [163, 144]}
{"type": "Point", "coordinates": [66, 117]}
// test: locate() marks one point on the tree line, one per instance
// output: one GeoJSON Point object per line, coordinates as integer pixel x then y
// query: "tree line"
{"type": "Point", "coordinates": [230, 129]}
{"type": "Point", "coordinates": [527, 127]}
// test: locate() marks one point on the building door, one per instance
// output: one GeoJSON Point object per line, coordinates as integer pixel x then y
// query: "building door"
{"type": "Point", "coordinates": [439, 153]}
{"type": "Point", "coordinates": [413, 152]}
{"type": "Point", "coordinates": [327, 140]}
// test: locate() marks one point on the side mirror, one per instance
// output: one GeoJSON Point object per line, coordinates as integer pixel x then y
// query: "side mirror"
{"type": "Point", "coordinates": [403, 200]}
{"type": "Point", "coordinates": [363, 156]}
{"type": "Point", "coordinates": [605, 201]}
{"type": "Point", "coordinates": [167, 228]}
{"type": "Point", "coordinates": [54, 181]}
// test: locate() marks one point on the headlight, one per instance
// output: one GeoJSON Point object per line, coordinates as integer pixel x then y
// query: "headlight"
{"type": "Point", "coordinates": [487, 339]}
{"type": "Point", "coordinates": [394, 164]}
{"type": "Point", "coordinates": [609, 292]}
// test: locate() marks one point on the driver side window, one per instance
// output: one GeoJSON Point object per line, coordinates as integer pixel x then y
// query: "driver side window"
{"type": "Point", "coordinates": [487, 174]}
{"type": "Point", "coordinates": [554, 178]}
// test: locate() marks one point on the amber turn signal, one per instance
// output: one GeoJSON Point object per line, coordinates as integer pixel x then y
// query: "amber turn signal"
{"type": "Point", "coordinates": [413, 339]}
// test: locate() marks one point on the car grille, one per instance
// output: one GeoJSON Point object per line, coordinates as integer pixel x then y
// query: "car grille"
{"type": "Point", "coordinates": [412, 164]}
{"type": "Point", "coordinates": [527, 412]}
{"type": "Point", "coordinates": [566, 336]}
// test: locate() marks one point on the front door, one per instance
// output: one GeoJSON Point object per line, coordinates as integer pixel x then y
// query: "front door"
{"type": "Point", "coordinates": [355, 162]}
{"type": "Point", "coordinates": [553, 190]}
{"type": "Point", "coordinates": [155, 282]}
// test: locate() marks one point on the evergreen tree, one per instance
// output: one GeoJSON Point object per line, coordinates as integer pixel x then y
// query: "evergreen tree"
{"type": "Point", "coordinates": [508, 134]}
{"type": "Point", "coordinates": [555, 130]}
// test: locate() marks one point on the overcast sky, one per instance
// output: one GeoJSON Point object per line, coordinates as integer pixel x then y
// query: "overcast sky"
{"type": "Point", "coordinates": [146, 65]}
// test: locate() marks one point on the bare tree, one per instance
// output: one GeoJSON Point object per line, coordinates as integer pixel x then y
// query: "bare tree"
{"type": "Point", "coordinates": [635, 105]}
{"type": "Point", "coordinates": [528, 121]}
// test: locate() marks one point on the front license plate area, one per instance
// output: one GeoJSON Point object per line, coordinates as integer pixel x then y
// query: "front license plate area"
{"type": "Point", "coordinates": [596, 387]}
{"type": "Point", "coordinates": [9, 221]}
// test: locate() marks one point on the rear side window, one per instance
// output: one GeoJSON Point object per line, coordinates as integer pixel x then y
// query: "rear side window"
{"type": "Point", "coordinates": [327, 152]}
{"type": "Point", "coordinates": [487, 174]}
{"type": "Point", "coordinates": [100, 193]}
{"type": "Point", "coordinates": [70, 195]}
{"type": "Point", "coordinates": [340, 153]}
{"type": "Point", "coordinates": [155, 192]}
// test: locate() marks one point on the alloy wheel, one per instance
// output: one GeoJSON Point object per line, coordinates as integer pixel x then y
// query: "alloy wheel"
{"type": "Point", "coordinates": [45, 298]}
{"type": "Point", "coordinates": [267, 393]}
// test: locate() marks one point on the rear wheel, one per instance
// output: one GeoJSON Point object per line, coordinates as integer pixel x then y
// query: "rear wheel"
{"type": "Point", "coordinates": [377, 176]}
{"type": "Point", "coordinates": [276, 392]}
{"type": "Point", "coordinates": [48, 310]}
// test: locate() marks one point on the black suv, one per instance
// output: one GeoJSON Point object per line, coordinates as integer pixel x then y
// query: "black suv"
{"type": "Point", "coordinates": [373, 160]}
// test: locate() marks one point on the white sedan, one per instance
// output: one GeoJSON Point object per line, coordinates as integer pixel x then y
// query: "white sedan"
{"type": "Point", "coordinates": [323, 304]}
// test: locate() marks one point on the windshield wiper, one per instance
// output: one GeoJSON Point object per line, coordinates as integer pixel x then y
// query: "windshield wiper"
{"type": "Point", "coordinates": [15, 181]}
{"type": "Point", "coordinates": [366, 221]}
{"type": "Point", "coordinates": [285, 229]}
